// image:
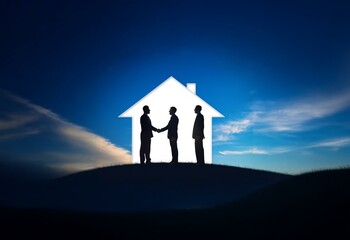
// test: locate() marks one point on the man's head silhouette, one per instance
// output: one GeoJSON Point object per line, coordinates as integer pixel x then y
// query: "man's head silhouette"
{"type": "Point", "coordinates": [172, 110]}
{"type": "Point", "coordinates": [146, 109]}
{"type": "Point", "coordinates": [198, 109]}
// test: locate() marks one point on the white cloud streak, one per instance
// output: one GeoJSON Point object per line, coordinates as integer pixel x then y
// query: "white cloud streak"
{"type": "Point", "coordinates": [36, 108]}
{"type": "Point", "coordinates": [296, 115]}
{"type": "Point", "coordinates": [329, 143]}
{"type": "Point", "coordinates": [225, 131]}
{"type": "Point", "coordinates": [233, 127]}
{"type": "Point", "coordinates": [257, 151]}
{"type": "Point", "coordinates": [89, 150]}
{"type": "Point", "coordinates": [333, 143]}
{"type": "Point", "coordinates": [284, 117]}
{"type": "Point", "coordinates": [249, 151]}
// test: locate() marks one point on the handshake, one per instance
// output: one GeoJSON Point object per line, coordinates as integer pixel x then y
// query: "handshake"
{"type": "Point", "coordinates": [159, 130]}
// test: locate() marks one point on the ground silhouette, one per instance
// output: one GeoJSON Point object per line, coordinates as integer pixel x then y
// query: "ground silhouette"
{"type": "Point", "coordinates": [159, 186]}
{"type": "Point", "coordinates": [309, 206]}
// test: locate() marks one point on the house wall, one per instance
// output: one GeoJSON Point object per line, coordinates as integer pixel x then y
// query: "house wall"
{"type": "Point", "coordinates": [172, 93]}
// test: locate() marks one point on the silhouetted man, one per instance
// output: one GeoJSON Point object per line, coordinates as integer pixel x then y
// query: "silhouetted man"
{"type": "Point", "coordinates": [146, 135]}
{"type": "Point", "coordinates": [172, 134]}
{"type": "Point", "coordinates": [198, 134]}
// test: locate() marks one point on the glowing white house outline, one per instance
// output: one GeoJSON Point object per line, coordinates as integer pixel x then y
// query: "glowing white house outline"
{"type": "Point", "coordinates": [167, 94]}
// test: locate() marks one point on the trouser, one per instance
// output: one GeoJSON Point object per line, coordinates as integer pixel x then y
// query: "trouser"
{"type": "Point", "coordinates": [145, 150]}
{"type": "Point", "coordinates": [174, 151]}
{"type": "Point", "coordinates": [198, 143]}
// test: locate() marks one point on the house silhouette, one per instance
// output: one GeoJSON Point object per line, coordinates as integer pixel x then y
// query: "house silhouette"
{"type": "Point", "coordinates": [172, 93]}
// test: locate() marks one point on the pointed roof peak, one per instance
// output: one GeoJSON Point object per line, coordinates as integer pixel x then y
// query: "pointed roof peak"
{"type": "Point", "coordinates": [171, 78]}
{"type": "Point", "coordinates": [170, 84]}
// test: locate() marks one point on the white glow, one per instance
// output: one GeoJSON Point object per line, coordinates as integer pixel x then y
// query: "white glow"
{"type": "Point", "coordinates": [191, 87]}
{"type": "Point", "coordinates": [172, 93]}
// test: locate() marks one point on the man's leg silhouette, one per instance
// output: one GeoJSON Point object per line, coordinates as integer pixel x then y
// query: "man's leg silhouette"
{"type": "Point", "coordinates": [148, 150]}
{"type": "Point", "coordinates": [145, 150]}
{"type": "Point", "coordinates": [174, 151]}
{"type": "Point", "coordinates": [199, 151]}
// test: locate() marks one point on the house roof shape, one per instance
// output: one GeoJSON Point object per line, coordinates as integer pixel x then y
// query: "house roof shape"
{"type": "Point", "coordinates": [170, 84]}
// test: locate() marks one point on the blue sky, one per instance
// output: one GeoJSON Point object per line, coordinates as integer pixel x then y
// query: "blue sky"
{"type": "Point", "coordinates": [278, 70]}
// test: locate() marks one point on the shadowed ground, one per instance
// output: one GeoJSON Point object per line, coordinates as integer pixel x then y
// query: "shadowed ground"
{"type": "Point", "coordinates": [144, 188]}
{"type": "Point", "coordinates": [309, 206]}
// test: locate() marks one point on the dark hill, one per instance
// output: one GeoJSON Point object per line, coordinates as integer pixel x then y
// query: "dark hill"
{"type": "Point", "coordinates": [302, 207]}
{"type": "Point", "coordinates": [145, 187]}
{"type": "Point", "coordinates": [309, 206]}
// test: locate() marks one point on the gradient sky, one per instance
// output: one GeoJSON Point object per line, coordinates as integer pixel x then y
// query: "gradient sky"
{"type": "Point", "coordinates": [278, 70]}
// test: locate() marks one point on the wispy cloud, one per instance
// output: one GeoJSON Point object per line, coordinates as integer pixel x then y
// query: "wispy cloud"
{"type": "Point", "coordinates": [257, 151]}
{"type": "Point", "coordinates": [11, 121]}
{"type": "Point", "coordinates": [295, 116]}
{"type": "Point", "coordinates": [249, 151]}
{"type": "Point", "coordinates": [77, 148]}
{"type": "Point", "coordinates": [332, 144]}
{"type": "Point", "coordinates": [35, 108]}
{"type": "Point", "coordinates": [292, 116]}
{"type": "Point", "coordinates": [233, 127]}
{"type": "Point", "coordinates": [224, 132]}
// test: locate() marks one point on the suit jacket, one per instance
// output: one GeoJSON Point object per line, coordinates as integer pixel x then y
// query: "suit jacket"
{"type": "Point", "coordinates": [198, 127]}
{"type": "Point", "coordinates": [172, 127]}
{"type": "Point", "coordinates": [146, 127]}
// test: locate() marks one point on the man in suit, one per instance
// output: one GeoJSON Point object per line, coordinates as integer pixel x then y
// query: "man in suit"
{"type": "Point", "coordinates": [198, 134]}
{"type": "Point", "coordinates": [146, 135]}
{"type": "Point", "coordinates": [172, 133]}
